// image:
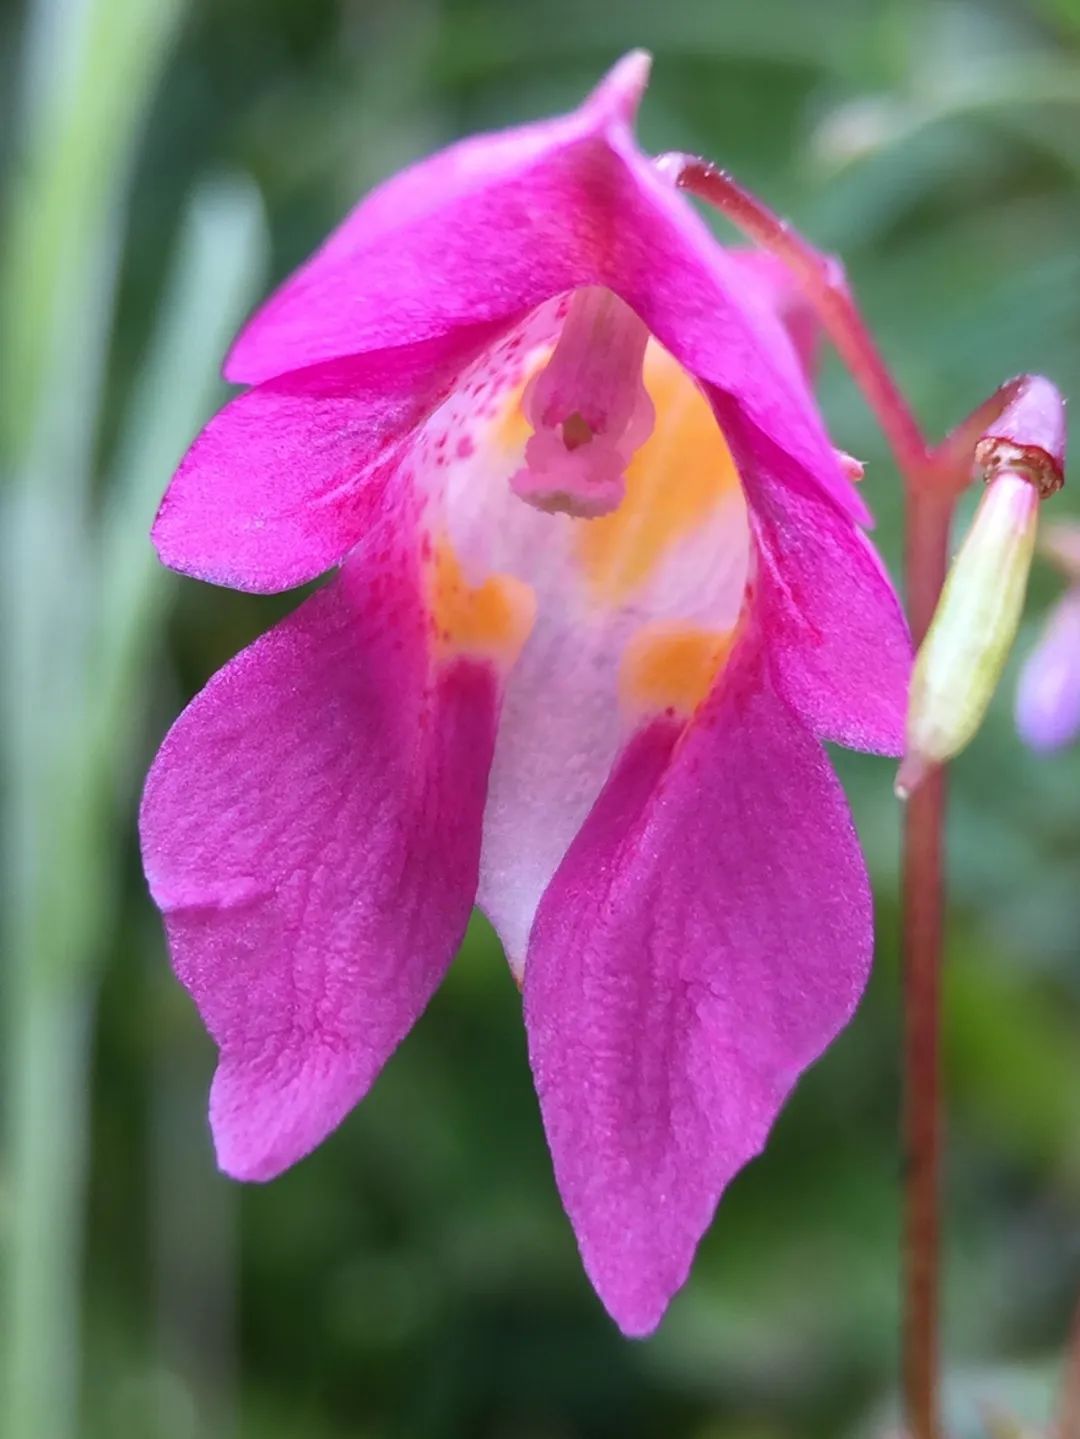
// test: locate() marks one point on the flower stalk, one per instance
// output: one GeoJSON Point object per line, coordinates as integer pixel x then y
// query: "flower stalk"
{"type": "Point", "coordinates": [922, 943]}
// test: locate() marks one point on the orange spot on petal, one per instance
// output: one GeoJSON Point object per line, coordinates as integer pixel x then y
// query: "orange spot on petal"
{"type": "Point", "coordinates": [511, 429]}
{"type": "Point", "coordinates": [672, 666]}
{"type": "Point", "coordinates": [675, 480]}
{"type": "Point", "coordinates": [492, 619]}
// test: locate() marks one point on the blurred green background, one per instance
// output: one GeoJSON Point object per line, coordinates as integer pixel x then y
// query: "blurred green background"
{"type": "Point", "coordinates": [165, 162]}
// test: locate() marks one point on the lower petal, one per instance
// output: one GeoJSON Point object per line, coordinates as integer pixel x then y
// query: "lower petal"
{"type": "Point", "coordinates": [705, 938]}
{"type": "Point", "coordinates": [311, 830]}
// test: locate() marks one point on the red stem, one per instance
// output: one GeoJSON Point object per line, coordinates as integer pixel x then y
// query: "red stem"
{"type": "Point", "coordinates": [825, 286]}
{"type": "Point", "coordinates": [932, 479]}
{"type": "Point", "coordinates": [926, 557]}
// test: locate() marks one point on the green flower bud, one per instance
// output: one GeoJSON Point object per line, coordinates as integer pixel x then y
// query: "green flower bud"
{"type": "Point", "coordinates": [961, 659]}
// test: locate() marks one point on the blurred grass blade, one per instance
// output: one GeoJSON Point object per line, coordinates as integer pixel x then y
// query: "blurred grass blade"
{"type": "Point", "coordinates": [69, 897]}
{"type": "Point", "coordinates": [76, 143]}
{"type": "Point", "coordinates": [863, 128]}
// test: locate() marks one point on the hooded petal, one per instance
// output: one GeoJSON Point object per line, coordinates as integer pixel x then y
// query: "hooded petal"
{"type": "Point", "coordinates": [286, 478]}
{"type": "Point", "coordinates": [837, 639]}
{"type": "Point", "coordinates": [780, 291]}
{"type": "Point", "coordinates": [311, 830]}
{"type": "Point", "coordinates": [564, 204]}
{"type": "Point", "coordinates": [1048, 699]}
{"type": "Point", "coordinates": [705, 938]}
{"type": "Point", "coordinates": [306, 315]}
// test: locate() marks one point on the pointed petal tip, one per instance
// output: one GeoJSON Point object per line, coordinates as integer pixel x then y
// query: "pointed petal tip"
{"type": "Point", "coordinates": [243, 1170]}
{"type": "Point", "coordinates": [634, 1298]}
{"type": "Point", "coordinates": [620, 91]}
{"type": "Point", "coordinates": [250, 1145]}
{"type": "Point", "coordinates": [237, 1157]}
{"type": "Point", "coordinates": [638, 1323]}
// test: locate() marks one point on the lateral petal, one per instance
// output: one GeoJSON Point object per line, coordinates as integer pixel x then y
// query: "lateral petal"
{"type": "Point", "coordinates": [283, 482]}
{"type": "Point", "coordinates": [705, 938]}
{"type": "Point", "coordinates": [311, 830]}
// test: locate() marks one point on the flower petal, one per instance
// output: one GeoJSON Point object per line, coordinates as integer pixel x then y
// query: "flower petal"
{"type": "Point", "coordinates": [1048, 699]}
{"type": "Point", "coordinates": [837, 638]}
{"type": "Point", "coordinates": [284, 480]}
{"type": "Point", "coordinates": [530, 215]}
{"type": "Point", "coordinates": [705, 938]}
{"type": "Point", "coordinates": [411, 236]}
{"type": "Point", "coordinates": [777, 289]}
{"type": "Point", "coordinates": [311, 829]}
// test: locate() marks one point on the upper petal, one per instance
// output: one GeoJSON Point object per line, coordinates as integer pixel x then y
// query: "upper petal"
{"type": "Point", "coordinates": [411, 239]}
{"type": "Point", "coordinates": [281, 484]}
{"type": "Point", "coordinates": [515, 219]}
{"type": "Point", "coordinates": [311, 830]}
{"type": "Point", "coordinates": [706, 936]}
{"type": "Point", "coordinates": [775, 287]}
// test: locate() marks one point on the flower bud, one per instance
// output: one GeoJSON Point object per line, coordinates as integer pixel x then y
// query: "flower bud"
{"type": "Point", "coordinates": [964, 652]}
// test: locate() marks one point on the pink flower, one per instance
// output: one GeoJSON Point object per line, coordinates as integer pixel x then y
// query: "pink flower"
{"type": "Point", "coordinates": [1048, 698]}
{"type": "Point", "coordinates": [602, 593]}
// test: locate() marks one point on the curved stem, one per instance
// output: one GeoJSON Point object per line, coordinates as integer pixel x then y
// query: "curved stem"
{"type": "Point", "coordinates": [824, 284]}
{"type": "Point", "coordinates": [932, 478]}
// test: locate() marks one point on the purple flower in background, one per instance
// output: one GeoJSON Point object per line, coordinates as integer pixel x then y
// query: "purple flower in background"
{"type": "Point", "coordinates": [601, 591]}
{"type": "Point", "coordinates": [1048, 697]}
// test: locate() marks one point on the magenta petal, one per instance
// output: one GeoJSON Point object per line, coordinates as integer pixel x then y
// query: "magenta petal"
{"type": "Point", "coordinates": [311, 830]}
{"type": "Point", "coordinates": [781, 292]}
{"type": "Point", "coordinates": [485, 233]}
{"type": "Point", "coordinates": [838, 642]}
{"type": "Point", "coordinates": [1048, 699]}
{"type": "Point", "coordinates": [706, 936]}
{"type": "Point", "coordinates": [426, 237]}
{"type": "Point", "coordinates": [285, 479]}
